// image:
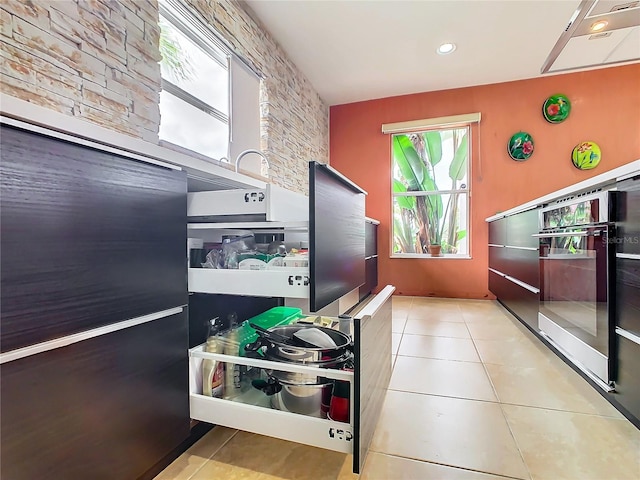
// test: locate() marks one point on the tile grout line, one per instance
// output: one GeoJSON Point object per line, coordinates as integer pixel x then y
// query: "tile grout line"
{"type": "Point", "coordinates": [456, 467]}
{"type": "Point", "coordinates": [504, 415]}
{"type": "Point", "coordinates": [217, 450]}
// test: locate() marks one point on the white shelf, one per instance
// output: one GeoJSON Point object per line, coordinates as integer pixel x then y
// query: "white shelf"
{"type": "Point", "coordinates": [280, 282]}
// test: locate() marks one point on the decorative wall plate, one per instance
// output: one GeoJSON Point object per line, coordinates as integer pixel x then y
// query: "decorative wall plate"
{"type": "Point", "coordinates": [556, 108]}
{"type": "Point", "coordinates": [586, 155]}
{"type": "Point", "coordinates": [520, 146]}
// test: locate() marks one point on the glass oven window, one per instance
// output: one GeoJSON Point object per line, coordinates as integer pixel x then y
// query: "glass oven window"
{"type": "Point", "coordinates": [574, 285]}
{"type": "Point", "coordinates": [581, 213]}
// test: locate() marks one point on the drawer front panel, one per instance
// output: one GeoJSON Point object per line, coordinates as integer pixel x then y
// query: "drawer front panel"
{"type": "Point", "coordinates": [521, 264]}
{"type": "Point", "coordinates": [628, 221]}
{"type": "Point", "coordinates": [88, 238]}
{"type": "Point", "coordinates": [628, 294]}
{"type": "Point", "coordinates": [498, 231]}
{"type": "Point", "coordinates": [104, 408]}
{"type": "Point", "coordinates": [523, 303]}
{"type": "Point", "coordinates": [520, 227]}
{"type": "Point", "coordinates": [370, 239]}
{"type": "Point", "coordinates": [628, 380]}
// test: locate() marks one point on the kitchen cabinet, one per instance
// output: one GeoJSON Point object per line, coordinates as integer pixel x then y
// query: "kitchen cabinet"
{"type": "Point", "coordinates": [514, 269]}
{"type": "Point", "coordinates": [371, 258]}
{"type": "Point", "coordinates": [627, 297]}
{"type": "Point", "coordinates": [109, 407]}
{"type": "Point", "coordinates": [94, 373]}
{"type": "Point", "coordinates": [370, 329]}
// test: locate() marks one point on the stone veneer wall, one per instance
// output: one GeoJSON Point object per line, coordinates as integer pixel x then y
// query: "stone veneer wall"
{"type": "Point", "coordinates": [97, 59]}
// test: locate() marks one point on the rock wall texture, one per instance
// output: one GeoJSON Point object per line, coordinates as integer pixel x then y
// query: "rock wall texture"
{"type": "Point", "coordinates": [98, 60]}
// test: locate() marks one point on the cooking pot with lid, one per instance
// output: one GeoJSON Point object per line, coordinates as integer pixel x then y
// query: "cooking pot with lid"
{"type": "Point", "coordinates": [300, 392]}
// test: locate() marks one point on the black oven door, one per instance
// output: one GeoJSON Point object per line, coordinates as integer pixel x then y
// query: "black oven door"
{"type": "Point", "coordinates": [574, 294]}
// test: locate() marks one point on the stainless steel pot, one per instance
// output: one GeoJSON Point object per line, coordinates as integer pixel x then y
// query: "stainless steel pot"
{"type": "Point", "coordinates": [301, 393]}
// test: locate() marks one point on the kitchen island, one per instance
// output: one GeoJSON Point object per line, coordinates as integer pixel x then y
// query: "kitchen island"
{"type": "Point", "coordinates": [567, 266]}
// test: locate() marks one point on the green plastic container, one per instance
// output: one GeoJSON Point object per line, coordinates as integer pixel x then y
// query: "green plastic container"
{"type": "Point", "coordinates": [273, 317]}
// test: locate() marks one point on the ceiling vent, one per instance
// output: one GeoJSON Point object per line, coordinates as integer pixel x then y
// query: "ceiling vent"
{"type": "Point", "coordinates": [625, 6]}
{"type": "Point", "coordinates": [599, 35]}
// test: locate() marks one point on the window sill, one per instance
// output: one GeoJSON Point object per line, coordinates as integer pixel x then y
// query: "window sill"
{"type": "Point", "coordinates": [426, 256]}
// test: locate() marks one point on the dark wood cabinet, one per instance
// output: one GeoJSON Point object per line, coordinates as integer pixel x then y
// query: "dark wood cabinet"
{"type": "Point", "coordinates": [627, 380]}
{"type": "Point", "coordinates": [88, 238]}
{"type": "Point", "coordinates": [627, 217]}
{"type": "Point", "coordinates": [520, 227]}
{"type": "Point", "coordinates": [498, 232]}
{"type": "Point", "coordinates": [521, 301]}
{"type": "Point", "coordinates": [517, 263]}
{"type": "Point", "coordinates": [371, 259]}
{"type": "Point", "coordinates": [109, 407]}
{"type": "Point", "coordinates": [628, 294]}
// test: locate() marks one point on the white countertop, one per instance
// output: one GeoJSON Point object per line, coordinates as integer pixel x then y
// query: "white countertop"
{"type": "Point", "coordinates": [617, 174]}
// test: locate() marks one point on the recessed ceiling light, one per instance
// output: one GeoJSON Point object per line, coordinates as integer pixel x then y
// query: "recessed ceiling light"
{"type": "Point", "coordinates": [446, 48]}
{"type": "Point", "coordinates": [599, 25]}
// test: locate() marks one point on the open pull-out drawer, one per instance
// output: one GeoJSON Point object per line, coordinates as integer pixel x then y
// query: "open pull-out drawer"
{"type": "Point", "coordinates": [270, 204]}
{"type": "Point", "coordinates": [251, 410]}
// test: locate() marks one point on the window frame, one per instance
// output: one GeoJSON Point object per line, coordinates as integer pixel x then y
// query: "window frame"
{"type": "Point", "coordinates": [467, 191]}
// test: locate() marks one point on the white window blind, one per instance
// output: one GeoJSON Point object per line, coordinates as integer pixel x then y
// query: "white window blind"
{"type": "Point", "coordinates": [425, 124]}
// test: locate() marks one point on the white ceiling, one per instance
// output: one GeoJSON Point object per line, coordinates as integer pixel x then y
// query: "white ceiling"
{"type": "Point", "coordinates": [360, 50]}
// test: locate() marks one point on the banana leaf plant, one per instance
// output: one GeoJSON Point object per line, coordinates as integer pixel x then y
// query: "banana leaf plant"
{"type": "Point", "coordinates": [424, 219]}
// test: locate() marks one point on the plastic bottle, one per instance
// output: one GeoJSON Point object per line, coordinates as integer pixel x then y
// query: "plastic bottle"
{"type": "Point", "coordinates": [232, 347]}
{"type": "Point", "coordinates": [213, 370]}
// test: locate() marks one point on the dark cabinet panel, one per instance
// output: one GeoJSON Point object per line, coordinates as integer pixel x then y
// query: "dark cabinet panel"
{"type": "Point", "coordinates": [628, 217]}
{"type": "Point", "coordinates": [497, 258]}
{"type": "Point", "coordinates": [628, 294]}
{"type": "Point", "coordinates": [371, 277]}
{"type": "Point", "coordinates": [520, 227]}
{"type": "Point", "coordinates": [105, 408]}
{"type": "Point", "coordinates": [520, 301]}
{"type": "Point", "coordinates": [524, 265]}
{"type": "Point", "coordinates": [498, 231]}
{"type": "Point", "coordinates": [628, 380]}
{"type": "Point", "coordinates": [88, 238]}
{"type": "Point", "coordinates": [370, 239]}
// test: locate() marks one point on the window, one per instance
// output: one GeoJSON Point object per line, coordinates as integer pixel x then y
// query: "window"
{"type": "Point", "coordinates": [209, 101]}
{"type": "Point", "coordinates": [430, 191]}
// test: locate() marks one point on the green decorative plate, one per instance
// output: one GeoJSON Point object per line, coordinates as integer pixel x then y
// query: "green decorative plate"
{"type": "Point", "coordinates": [520, 146]}
{"type": "Point", "coordinates": [556, 108]}
{"type": "Point", "coordinates": [586, 155]}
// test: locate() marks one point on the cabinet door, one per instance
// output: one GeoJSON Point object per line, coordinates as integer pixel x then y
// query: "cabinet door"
{"type": "Point", "coordinates": [88, 238]}
{"type": "Point", "coordinates": [370, 239]}
{"type": "Point", "coordinates": [627, 294]}
{"type": "Point", "coordinates": [520, 227]}
{"type": "Point", "coordinates": [105, 408]}
{"type": "Point", "coordinates": [628, 381]}
{"type": "Point", "coordinates": [498, 232]}
{"type": "Point", "coordinates": [627, 217]}
{"type": "Point", "coordinates": [522, 302]}
{"type": "Point", "coordinates": [372, 358]}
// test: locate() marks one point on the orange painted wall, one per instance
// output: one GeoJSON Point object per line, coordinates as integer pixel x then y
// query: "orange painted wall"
{"type": "Point", "coordinates": [605, 109]}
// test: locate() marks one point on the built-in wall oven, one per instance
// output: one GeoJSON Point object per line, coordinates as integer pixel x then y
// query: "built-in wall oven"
{"type": "Point", "coordinates": [575, 262]}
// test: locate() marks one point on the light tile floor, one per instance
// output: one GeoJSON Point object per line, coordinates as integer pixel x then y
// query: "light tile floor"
{"type": "Point", "coordinates": [473, 396]}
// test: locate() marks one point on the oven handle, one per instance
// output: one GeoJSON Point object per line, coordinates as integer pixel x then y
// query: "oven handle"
{"type": "Point", "coordinates": [581, 233]}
